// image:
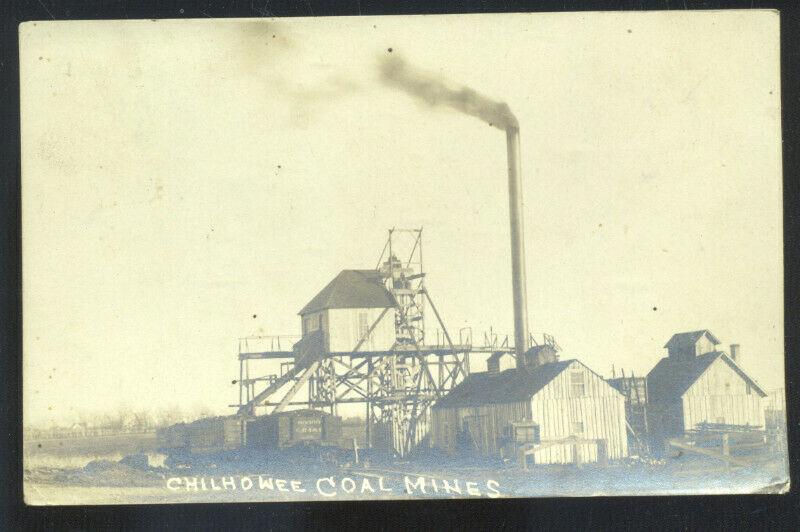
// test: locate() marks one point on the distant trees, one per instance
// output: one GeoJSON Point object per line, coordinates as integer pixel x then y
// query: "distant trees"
{"type": "Point", "coordinates": [119, 421]}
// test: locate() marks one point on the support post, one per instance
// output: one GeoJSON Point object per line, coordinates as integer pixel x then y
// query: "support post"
{"type": "Point", "coordinates": [241, 375]}
{"type": "Point", "coordinates": [297, 385]}
{"type": "Point", "coordinates": [368, 442]}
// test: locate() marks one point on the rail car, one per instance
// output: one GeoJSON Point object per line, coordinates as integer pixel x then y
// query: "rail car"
{"type": "Point", "coordinates": [274, 431]}
{"type": "Point", "coordinates": [213, 434]}
{"type": "Point", "coordinates": [298, 427]}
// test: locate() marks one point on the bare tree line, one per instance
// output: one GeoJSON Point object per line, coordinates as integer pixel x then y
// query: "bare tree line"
{"type": "Point", "coordinates": [123, 420]}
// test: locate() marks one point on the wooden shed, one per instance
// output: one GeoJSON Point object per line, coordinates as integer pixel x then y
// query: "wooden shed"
{"type": "Point", "coordinates": [698, 384]}
{"type": "Point", "coordinates": [563, 410]}
{"type": "Point", "coordinates": [354, 310]}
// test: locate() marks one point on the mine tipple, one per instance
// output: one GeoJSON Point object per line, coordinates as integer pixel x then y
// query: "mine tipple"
{"type": "Point", "coordinates": [364, 342]}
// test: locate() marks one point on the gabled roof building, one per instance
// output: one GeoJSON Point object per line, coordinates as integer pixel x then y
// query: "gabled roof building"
{"type": "Point", "coordinates": [697, 383]}
{"type": "Point", "coordinates": [352, 289]}
{"type": "Point", "coordinates": [567, 412]}
{"type": "Point", "coordinates": [354, 310]}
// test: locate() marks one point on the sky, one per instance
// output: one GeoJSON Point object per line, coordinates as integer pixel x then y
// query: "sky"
{"type": "Point", "coordinates": [187, 183]}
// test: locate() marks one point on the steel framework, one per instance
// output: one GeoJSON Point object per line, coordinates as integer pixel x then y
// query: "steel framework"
{"type": "Point", "coordinates": [397, 387]}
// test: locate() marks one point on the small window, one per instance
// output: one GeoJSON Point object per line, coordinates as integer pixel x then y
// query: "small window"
{"type": "Point", "coordinates": [526, 433]}
{"type": "Point", "coordinates": [577, 384]}
{"type": "Point", "coordinates": [727, 387]}
{"type": "Point", "coordinates": [749, 390]}
{"type": "Point", "coordinates": [576, 428]}
{"type": "Point", "coordinates": [312, 323]}
{"type": "Point", "coordinates": [363, 324]}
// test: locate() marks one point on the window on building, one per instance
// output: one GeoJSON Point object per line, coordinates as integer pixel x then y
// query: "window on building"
{"type": "Point", "coordinates": [727, 388]}
{"type": "Point", "coordinates": [528, 433]}
{"type": "Point", "coordinates": [320, 322]}
{"type": "Point", "coordinates": [576, 428]}
{"type": "Point", "coordinates": [749, 390]}
{"type": "Point", "coordinates": [363, 324]}
{"type": "Point", "coordinates": [577, 384]}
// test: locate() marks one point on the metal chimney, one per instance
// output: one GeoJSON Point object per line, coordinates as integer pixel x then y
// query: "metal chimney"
{"type": "Point", "coordinates": [736, 353]}
{"type": "Point", "coordinates": [517, 245]}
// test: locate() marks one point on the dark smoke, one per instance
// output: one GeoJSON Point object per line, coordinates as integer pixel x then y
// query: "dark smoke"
{"type": "Point", "coordinates": [395, 72]}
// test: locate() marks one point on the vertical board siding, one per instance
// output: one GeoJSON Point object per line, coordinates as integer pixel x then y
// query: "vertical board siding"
{"type": "Point", "coordinates": [720, 395]}
{"type": "Point", "coordinates": [704, 345]}
{"type": "Point", "coordinates": [343, 332]}
{"type": "Point", "coordinates": [601, 410]}
{"type": "Point", "coordinates": [447, 423]}
{"type": "Point", "coordinates": [727, 409]}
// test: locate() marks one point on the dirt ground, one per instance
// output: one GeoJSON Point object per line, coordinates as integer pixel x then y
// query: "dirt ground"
{"type": "Point", "coordinates": [130, 470]}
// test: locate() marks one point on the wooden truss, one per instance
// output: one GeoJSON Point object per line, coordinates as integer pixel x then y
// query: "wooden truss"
{"type": "Point", "coordinates": [397, 387]}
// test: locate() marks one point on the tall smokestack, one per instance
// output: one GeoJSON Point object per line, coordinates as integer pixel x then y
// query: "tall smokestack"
{"type": "Point", "coordinates": [431, 90]}
{"type": "Point", "coordinates": [518, 284]}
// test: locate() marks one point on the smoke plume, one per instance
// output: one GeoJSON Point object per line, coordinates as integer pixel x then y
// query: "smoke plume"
{"type": "Point", "coordinates": [396, 73]}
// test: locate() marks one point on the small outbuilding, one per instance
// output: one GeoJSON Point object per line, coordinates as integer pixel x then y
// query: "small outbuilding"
{"type": "Point", "coordinates": [561, 410]}
{"type": "Point", "coordinates": [355, 310]}
{"type": "Point", "coordinates": [698, 384]}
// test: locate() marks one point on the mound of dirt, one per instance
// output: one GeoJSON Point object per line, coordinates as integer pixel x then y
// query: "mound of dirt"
{"type": "Point", "coordinates": [99, 465]}
{"type": "Point", "coordinates": [109, 473]}
{"type": "Point", "coordinates": [136, 461]}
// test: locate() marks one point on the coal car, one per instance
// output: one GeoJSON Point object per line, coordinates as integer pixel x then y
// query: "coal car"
{"type": "Point", "coordinates": [273, 431]}
{"type": "Point", "coordinates": [212, 434]}
{"type": "Point", "coordinates": [296, 427]}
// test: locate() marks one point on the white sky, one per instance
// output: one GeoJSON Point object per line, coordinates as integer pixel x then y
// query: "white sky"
{"type": "Point", "coordinates": [181, 176]}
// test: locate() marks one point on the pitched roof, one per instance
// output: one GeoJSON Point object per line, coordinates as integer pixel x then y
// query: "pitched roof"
{"type": "Point", "coordinates": [686, 339]}
{"type": "Point", "coordinates": [670, 378]}
{"type": "Point", "coordinates": [352, 289]}
{"type": "Point", "coordinates": [509, 386]}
